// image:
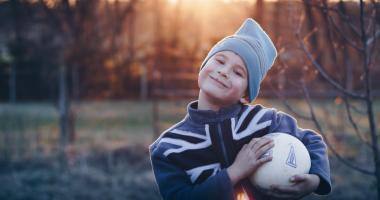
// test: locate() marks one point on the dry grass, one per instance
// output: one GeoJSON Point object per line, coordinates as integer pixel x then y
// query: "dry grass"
{"type": "Point", "coordinates": [109, 160]}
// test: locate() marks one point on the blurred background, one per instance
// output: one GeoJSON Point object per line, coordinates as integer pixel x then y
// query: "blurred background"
{"type": "Point", "coordinates": [87, 85]}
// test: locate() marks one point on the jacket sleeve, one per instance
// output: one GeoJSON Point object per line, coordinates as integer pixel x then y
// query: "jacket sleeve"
{"type": "Point", "coordinates": [314, 143]}
{"type": "Point", "coordinates": [174, 183]}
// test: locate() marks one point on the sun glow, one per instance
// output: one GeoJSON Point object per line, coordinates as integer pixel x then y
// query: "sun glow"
{"type": "Point", "coordinates": [209, 1]}
{"type": "Point", "coordinates": [172, 1]}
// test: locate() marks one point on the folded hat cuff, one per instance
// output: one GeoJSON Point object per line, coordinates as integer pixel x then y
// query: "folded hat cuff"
{"type": "Point", "coordinates": [249, 57]}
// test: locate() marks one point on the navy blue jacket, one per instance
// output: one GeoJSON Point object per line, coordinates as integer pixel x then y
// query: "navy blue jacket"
{"type": "Point", "coordinates": [189, 159]}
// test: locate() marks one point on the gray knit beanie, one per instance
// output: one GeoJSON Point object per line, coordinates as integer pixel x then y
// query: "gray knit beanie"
{"type": "Point", "coordinates": [255, 48]}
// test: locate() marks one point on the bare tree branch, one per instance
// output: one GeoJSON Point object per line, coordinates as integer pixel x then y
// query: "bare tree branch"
{"type": "Point", "coordinates": [360, 32]}
{"type": "Point", "coordinates": [368, 99]}
{"type": "Point", "coordinates": [352, 122]}
{"type": "Point", "coordinates": [374, 37]}
{"type": "Point", "coordinates": [325, 75]}
{"type": "Point", "coordinates": [343, 16]}
{"type": "Point", "coordinates": [331, 148]}
{"type": "Point", "coordinates": [356, 109]}
{"type": "Point", "coordinates": [320, 68]}
{"type": "Point", "coordinates": [343, 35]}
{"type": "Point", "coordinates": [371, 43]}
{"type": "Point", "coordinates": [284, 100]}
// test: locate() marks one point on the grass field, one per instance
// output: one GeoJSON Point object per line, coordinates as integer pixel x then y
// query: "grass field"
{"type": "Point", "coordinates": [108, 158]}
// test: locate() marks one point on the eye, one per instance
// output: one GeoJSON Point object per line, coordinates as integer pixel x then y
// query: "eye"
{"type": "Point", "coordinates": [237, 72]}
{"type": "Point", "coordinates": [220, 61]}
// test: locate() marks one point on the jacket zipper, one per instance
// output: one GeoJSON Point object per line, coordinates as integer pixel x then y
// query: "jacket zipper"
{"type": "Point", "coordinates": [222, 145]}
{"type": "Point", "coordinates": [220, 136]}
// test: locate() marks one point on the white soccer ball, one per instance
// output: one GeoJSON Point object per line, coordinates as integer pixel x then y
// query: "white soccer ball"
{"type": "Point", "coordinates": [290, 157]}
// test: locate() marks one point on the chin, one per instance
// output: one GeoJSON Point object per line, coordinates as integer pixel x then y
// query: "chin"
{"type": "Point", "coordinates": [219, 96]}
{"type": "Point", "coordinates": [214, 93]}
{"type": "Point", "coordinates": [222, 100]}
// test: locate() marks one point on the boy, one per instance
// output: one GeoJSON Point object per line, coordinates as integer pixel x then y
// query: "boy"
{"type": "Point", "coordinates": [219, 144]}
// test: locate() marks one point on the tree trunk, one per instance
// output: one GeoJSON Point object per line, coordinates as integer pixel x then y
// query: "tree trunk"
{"type": "Point", "coordinates": [369, 99]}
{"type": "Point", "coordinates": [258, 12]}
{"type": "Point", "coordinates": [63, 114]}
{"type": "Point", "coordinates": [157, 78]}
{"type": "Point", "coordinates": [12, 84]}
{"type": "Point", "coordinates": [156, 120]}
{"type": "Point", "coordinates": [310, 26]}
{"type": "Point", "coordinates": [143, 82]}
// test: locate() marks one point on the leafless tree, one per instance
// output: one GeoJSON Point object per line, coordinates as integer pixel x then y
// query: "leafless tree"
{"type": "Point", "coordinates": [158, 58]}
{"type": "Point", "coordinates": [63, 20]}
{"type": "Point", "coordinates": [17, 31]}
{"type": "Point", "coordinates": [349, 39]}
{"type": "Point", "coordinates": [258, 11]}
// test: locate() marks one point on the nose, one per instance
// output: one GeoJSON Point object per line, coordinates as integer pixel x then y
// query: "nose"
{"type": "Point", "coordinates": [223, 72]}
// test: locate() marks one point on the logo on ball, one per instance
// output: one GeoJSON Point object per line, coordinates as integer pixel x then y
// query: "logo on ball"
{"type": "Point", "coordinates": [291, 160]}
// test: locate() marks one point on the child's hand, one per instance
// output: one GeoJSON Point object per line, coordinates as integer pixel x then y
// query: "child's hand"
{"type": "Point", "coordinates": [304, 184]}
{"type": "Point", "coordinates": [250, 158]}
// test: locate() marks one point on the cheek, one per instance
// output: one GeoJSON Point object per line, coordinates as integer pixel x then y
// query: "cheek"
{"type": "Point", "coordinates": [202, 76]}
{"type": "Point", "coordinates": [241, 87]}
{"type": "Point", "coordinates": [206, 70]}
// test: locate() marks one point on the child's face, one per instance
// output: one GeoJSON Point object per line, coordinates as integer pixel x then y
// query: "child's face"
{"type": "Point", "coordinates": [224, 78]}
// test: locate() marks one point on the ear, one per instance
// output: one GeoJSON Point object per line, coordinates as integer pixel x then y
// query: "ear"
{"type": "Point", "coordinates": [244, 100]}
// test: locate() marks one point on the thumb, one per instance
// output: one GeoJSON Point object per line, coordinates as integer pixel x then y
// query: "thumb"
{"type": "Point", "coordinates": [298, 178]}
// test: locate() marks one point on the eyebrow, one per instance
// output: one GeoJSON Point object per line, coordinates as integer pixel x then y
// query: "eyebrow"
{"type": "Point", "coordinates": [238, 65]}
{"type": "Point", "coordinates": [222, 55]}
{"type": "Point", "coordinates": [242, 67]}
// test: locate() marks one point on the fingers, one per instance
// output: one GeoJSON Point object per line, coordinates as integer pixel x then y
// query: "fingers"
{"type": "Point", "coordinates": [264, 149]}
{"type": "Point", "coordinates": [258, 147]}
{"type": "Point", "coordinates": [244, 147]}
{"type": "Point", "coordinates": [263, 160]}
{"type": "Point", "coordinates": [253, 142]}
{"type": "Point", "coordinates": [257, 143]}
{"type": "Point", "coordinates": [298, 178]}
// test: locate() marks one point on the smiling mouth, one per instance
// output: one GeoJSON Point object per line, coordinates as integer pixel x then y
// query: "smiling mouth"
{"type": "Point", "coordinates": [220, 82]}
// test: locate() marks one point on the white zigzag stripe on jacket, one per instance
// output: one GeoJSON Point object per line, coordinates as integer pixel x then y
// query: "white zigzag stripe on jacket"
{"type": "Point", "coordinates": [253, 125]}
{"type": "Point", "coordinates": [184, 145]}
{"type": "Point", "coordinates": [196, 172]}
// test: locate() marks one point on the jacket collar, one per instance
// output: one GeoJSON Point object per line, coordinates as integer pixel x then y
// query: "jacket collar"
{"type": "Point", "coordinates": [210, 116]}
